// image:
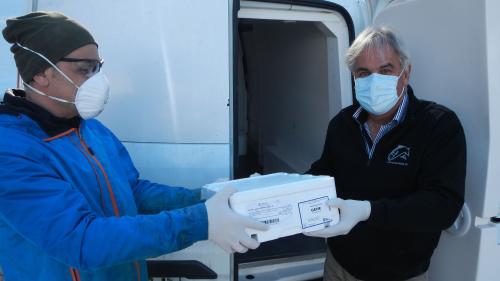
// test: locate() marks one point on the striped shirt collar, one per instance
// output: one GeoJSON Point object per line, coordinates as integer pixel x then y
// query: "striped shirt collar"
{"type": "Point", "coordinates": [371, 141]}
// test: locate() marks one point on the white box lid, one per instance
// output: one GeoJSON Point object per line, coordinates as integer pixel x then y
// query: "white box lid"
{"type": "Point", "coordinates": [275, 185]}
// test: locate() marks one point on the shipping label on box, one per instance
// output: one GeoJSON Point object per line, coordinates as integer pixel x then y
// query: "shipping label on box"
{"type": "Point", "coordinates": [315, 212]}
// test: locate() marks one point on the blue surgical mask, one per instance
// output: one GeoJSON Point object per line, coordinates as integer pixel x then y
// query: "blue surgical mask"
{"type": "Point", "coordinates": [377, 93]}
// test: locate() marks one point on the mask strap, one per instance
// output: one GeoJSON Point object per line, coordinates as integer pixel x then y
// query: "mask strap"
{"type": "Point", "coordinates": [402, 92]}
{"type": "Point", "coordinates": [404, 68]}
{"type": "Point", "coordinates": [404, 88]}
{"type": "Point", "coordinates": [44, 94]}
{"type": "Point", "coordinates": [53, 65]}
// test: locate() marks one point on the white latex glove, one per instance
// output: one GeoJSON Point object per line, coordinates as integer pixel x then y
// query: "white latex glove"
{"type": "Point", "coordinates": [205, 193]}
{"type": "Point", "coordinates": [220, 180]}
{"type": "Point", "coordinates": [351, 212]}
{"type": "Point", "coordinates": [227, 228]}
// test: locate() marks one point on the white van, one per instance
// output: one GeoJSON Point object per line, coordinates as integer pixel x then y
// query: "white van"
{"type": "Point", "coordinates": [203, 90]}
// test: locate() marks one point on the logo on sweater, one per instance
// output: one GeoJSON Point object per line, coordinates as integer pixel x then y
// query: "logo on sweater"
{"type": "Point", "coordinates": [399, 156]}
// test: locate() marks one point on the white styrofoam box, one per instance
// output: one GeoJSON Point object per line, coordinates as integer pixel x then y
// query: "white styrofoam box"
{"type": "Point", "coordinates": [288, 203]}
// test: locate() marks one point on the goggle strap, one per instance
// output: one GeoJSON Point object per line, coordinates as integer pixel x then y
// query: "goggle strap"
{"type": "Point", "coordinates": [47, 60]}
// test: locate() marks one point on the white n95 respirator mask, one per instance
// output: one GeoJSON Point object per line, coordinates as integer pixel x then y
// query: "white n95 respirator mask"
{"type": "Point", "coordinates": [91, 96]}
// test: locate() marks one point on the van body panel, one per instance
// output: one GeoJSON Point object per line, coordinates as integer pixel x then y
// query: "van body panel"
{"type": "Point", "coordinates": [173, 68]}
{"type": "Point", "coordinates": [454, 63]}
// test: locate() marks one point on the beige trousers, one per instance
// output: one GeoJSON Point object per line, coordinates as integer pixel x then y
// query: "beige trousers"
{"type": "Point", "coordinates": [335, 272]}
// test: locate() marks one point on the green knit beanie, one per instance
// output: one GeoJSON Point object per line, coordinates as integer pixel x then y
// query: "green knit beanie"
{"type": "Point", "coordinates": [49, 33]}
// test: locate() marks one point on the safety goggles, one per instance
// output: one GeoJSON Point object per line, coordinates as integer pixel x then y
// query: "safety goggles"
{"type": "Point", "coordinates": [86, 67]}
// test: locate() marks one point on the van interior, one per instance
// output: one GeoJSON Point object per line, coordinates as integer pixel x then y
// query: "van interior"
{"type": "Point", "coordinates": [287, 91]}
{"type": "Point", "coordinates": [286, 87]}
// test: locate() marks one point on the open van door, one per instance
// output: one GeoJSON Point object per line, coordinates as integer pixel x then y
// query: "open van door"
{"type": "Point", "coordinates": [453, 45]}
{"type": "Point", "coordinates": [289, 81]}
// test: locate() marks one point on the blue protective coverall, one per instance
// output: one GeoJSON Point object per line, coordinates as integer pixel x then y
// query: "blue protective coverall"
{"type": "Point", "coordinates": [72, 206]}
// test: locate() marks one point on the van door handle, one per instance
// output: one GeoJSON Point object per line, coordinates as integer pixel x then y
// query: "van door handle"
{"type": "Point", "coordinates": [462, 223]}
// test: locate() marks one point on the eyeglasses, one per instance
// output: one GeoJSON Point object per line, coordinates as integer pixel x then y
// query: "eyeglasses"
{"type": "Point", "coordinates": [86, 67]}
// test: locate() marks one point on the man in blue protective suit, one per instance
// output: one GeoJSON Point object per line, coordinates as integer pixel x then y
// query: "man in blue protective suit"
{"type": "Point", "coordinates": [72, 206]}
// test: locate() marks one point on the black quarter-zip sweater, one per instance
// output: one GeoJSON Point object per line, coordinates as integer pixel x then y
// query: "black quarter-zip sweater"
{"type": "Point", "coordinates": [415, 183]}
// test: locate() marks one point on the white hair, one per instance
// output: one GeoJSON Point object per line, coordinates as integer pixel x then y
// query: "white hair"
{"type": "Point", "coordinates": [376, 38]}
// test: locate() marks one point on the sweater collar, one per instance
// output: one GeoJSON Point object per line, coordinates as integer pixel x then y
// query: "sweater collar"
{"type": "Point", "coordinates": [412, 104]}
{"type": "Point", "coordinates": [15, 103]}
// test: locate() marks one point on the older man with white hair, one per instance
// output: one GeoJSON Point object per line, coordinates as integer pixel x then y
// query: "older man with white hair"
{"type": "Point", "coordinates": [399, 167]}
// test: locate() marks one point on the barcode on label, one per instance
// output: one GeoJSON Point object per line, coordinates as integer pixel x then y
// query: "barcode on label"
{"type": "Point", "coordinates": [271, 221]}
